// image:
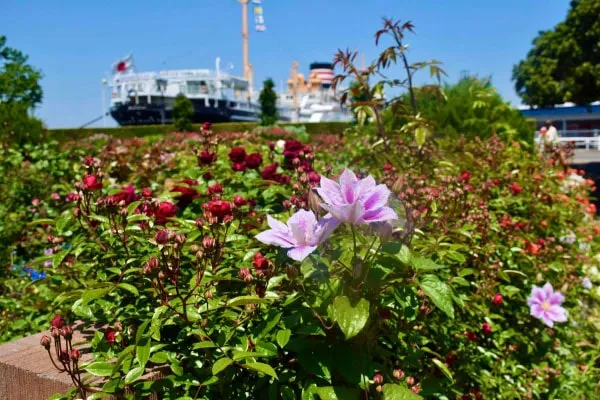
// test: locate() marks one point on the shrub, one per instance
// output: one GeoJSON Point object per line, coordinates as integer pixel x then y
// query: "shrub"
{"type": "Point", "coordinates": [183, 111]}
{"type": "Point", "coordinates": [268, 104]}
{"type": "Point", "coordinates": [17, 127]}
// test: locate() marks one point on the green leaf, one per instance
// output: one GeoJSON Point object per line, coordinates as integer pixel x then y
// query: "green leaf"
{"type": "Point", "coordinates": [142, 351]}
{"type": "Point", "coordinates": [398, 392]}
{"type": "Point", "coordinates": [421, 134]}
{"type": "Point", "coordinates": [424, 264]}
{"type": "Point", "coordinates": [130, 288]}
{"type": "Point", "coordinates": [444, 369]}
{"type": "Point", "coordinates": [243, 300]}
{"type": "Point", "coordinates": [439, 292]}
{"type": "Point", "coordinates": [99, 369]}
{"type": "Point", "coordinates": [94, 294]}
{"type": "Point", "coordinates": [350, 319]}
{"type": "Point", "coordinates": [221, 364]}
{"type": "Point", "coordinates": [82, 310]}
{"type": "Point", "coordinates": [287, 393]}
{"type": "Point", "coordinates": [338, 393]}
{"type": "Point", "coordinates": [134, 375]}
{"type": "Point", "coordinates": [260, 367]}
{"type": "Point", "coordinates": [283, 337]}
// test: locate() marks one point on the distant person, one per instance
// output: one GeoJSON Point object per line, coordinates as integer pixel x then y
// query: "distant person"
{"type": "Point", "coordinates": [551, 135]}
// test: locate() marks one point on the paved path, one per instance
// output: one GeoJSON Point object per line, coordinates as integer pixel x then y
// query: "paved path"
{"type": "Point", "coordinates": [583, 156]}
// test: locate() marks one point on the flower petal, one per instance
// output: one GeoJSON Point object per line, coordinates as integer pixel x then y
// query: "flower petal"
{"type": "Point", "coordinates": [276, 224]}
{"type": "Point", "coordinates": [348, 186]}
{"type": "Point", "coordinates": [330, 191]}
{"type": "Point", "coordinates": [547, 320]}
{"type": "Point", "coordinates": [351, 213]}
{"type": "Point", "coordinates": [556, 299]}
{"type": "Point", "coordinates": [275, 238]}
{"type": "Point", "coordinates": [548, 290]}
{"type": "Point", "coordinates": [379, 214]}
{"type": "Point", "coordinates": [537, 296]}
{"type": "Point", "coordinates": [366, 184]}
{"type": "Point", "coordinates": [537, 311]}
{"type": "Point", "coordinates": [325, 227]}
{"type": "Point", "coordinates": [376, 197]}
{"type": "Point", "coordinates": [557, 314]}
{"type": "Point", "coordinates": [301, 252]}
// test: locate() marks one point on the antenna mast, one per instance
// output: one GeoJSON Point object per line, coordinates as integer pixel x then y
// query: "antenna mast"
{"type": "Point", "coordinates": [246, 61]}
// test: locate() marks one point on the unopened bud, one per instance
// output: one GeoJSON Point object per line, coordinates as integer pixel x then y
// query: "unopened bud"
{"type": "Point", "coordinates": [76, 212]}
{"type": "Point", "coordinates": [162, 236]}
{"type": "Point", "coordinates": [199, 222]}
{"type": "Point", "coordinates": [199, 254]}
{"type": "Point", "coordinates": [208, 242]}
{"type": "Point", "coordinates": [398, 373]}
{"type": "Point", "coordinates": [45, 341]}
{"type": "Point", "coordinates": [75, 354]}
{"type": "Point", "coordinates": [208, 294]}
{"type": "Point", "coordinates": [292, 272]}
{"type": "Point", "coordinates": [180, 238]}
{"type": "Point", "coordinates": [67, 332]}
{"type": "Point", "coordinates": [54, 332]}
{"type": "Point", "coordinates": [410, 381]}
{"type": "Point", "coordinates": [378, 379]}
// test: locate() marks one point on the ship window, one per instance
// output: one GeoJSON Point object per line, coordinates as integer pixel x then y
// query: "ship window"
{"type": "Point", "coordinates": [193, 87]}
{"type": "Point", "coordinates": [182, 88]}
{"type": "Point", "coordinates": [232, 104]}
{"type": "Point", "coordinates": [211, 102]}
{"type": "Point", "coordinates": [141, 87]}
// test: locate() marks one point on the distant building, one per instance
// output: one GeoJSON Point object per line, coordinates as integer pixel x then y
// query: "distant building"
{"type": "Point", "coordinates": [568, 118]}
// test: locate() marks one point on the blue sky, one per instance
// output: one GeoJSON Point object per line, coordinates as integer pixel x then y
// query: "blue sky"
{"type": "Point", "coordinates": [74, 43]}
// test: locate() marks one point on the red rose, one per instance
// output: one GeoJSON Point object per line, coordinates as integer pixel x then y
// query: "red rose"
{"type": "Point", "coordinates": [313, 177]}
{"type": "Point", "coordinates": [378, 379]}
{"type": "Point", "coordinates": [206, 157]}
{"type": "Point", "coordinates": [57, 321]}
{"type": "Point", "coordinates": [497, 300]}
{"type": "Point", "coordinates": [110, 335]}
{"type": "Point", "coordinates": [260, 262]}
{"type": "Point", "coordinates": [188, 194]}
{"type": "Point", "coordinates": [388, 167]}
{"type": "Point", "coordinates": [162, 236]}
{"type": "Point", "coordinates": [486, 328]}
{"type": "Point", "coordinates": [253, 160]}
{"type": "Point", "coordinates": [239, 201]}
{"type": "Point", "coordinates": [127, 195]}
{"type": "Point", "coordinates": [164, 211]}
{"type": "Point", "coordinates": [216, 188]}
{"type": "Point", "coordinates": [269, 172]}
{"type": "Point", "coordinates": [206, 126]}
{"type": "Point", "coordinates": [471, 336]}
{"type": "Point", "coordinates": [239, 167]}
{"type": "Point", "coordinates": [220, 208]}
{"type": "Point", "coordinates": [147, 192]}
{"type": "Point", "coordinates": [515, 188]}
{"type": "Point", "coordinates": [92, 182]}
{"type": "Point", "coordinates": [465, 176]}
{"type": "Point", "coordinates": [72, 197]}
{"type": "Point", "coordinates": [237, 155]}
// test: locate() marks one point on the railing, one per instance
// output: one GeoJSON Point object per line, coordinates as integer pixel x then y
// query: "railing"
{"type": "Point", "coordinates": [583, 138]}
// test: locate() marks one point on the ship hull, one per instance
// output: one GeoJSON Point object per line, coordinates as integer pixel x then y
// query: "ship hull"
{"type": "Point", "coordinates": [133, 114]}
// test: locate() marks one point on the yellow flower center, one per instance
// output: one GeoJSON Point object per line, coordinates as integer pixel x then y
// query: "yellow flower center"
{"type": "Point", "coordinates": [546, 306]}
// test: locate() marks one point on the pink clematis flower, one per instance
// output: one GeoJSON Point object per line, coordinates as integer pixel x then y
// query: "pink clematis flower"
{"type": "Point", "coordinates": [301, 234]}
{"type": "Point", "coordinates": [357, 201]}
{"type": "Point", "coordinates": [545, 305]}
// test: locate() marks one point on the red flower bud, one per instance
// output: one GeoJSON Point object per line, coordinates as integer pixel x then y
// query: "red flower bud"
{"type": "Point", "coordinates": [54, 332]}
{"type": "Point", "coordinates": [497, 300]}
{"type": "Point", "coordinates": [208, 242]}
{"type": "Point", "coordinates": [486, 328]}
{"type": "Point", "coordinates": [110, 335]}
{"type": "Point", "coordinates": [57, 321]}
{"type": "Point", "coordinates": [147, 192]}
{"type": "Point", "coordinates": [515, 188]}
{"type": "Point", "coordinates": [67, 332]}
{"type": "Point", "coordinates": [398, 373]}
{"type": "Point", "coordinates": [215, 189]}
{"type": "Point", "coordinates": [378, 379]}
{"type": "Point", "coordinates": [220, 208]}
{"type": "Point", "coordinates": [239, 201]}
{"type": "Point", "coordinates": [471, 336]}
{"type": "Point", "coordinates": [162, 236]}
{"type": "Point", "coordinates": [45, 341]}
{"type": "Point", "coordinates": [465, 176]}
{"type": "Point", "coordinates": [92, 183]}
{"type": "Point", "coordinates": [75, 355]}
{"type": "Point", "coordinates": [206, 157]}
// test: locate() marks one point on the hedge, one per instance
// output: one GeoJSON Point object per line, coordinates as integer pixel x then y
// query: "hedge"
{"type": "Point", "coordinates": [151, 130]}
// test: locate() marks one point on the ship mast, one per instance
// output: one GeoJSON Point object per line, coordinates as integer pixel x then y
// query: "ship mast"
{"type": "Point", "coordinates": [245, 52]}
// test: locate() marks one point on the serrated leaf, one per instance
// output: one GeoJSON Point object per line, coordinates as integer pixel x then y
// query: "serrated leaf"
{"type": "Point", "coordinates": [399, 392]}
{"type": "Point", "coordinates": [351, 319]}
{"type": "Point", "coordinates": [261, 367]}
{"type": "Point", "coordinates": [283, 337]}
{"type": "Point", "coordinates": [99, 369]}
{"type": "Point", "coordinates": [221, 364]}
{"type": "Point", "coordinates": [439, 293]}
{"type": "Point", "coordinates": [134, 375]}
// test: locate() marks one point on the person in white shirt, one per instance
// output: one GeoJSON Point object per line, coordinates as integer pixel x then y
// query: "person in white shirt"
{"type": "Point", "coordinates": [551, 136]}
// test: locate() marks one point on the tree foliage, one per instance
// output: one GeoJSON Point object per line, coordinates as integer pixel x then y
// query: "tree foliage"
{"type": "Point", "coordinates": [472, 107]}
{"type": "Point", "coordinates": [19, 81]}
{"type": "Point", "coordinates": [564, 63]}
{"type": "Point", "coordinates": [183, 111]}
{"type": "Point", "coordinates": [268, 103]}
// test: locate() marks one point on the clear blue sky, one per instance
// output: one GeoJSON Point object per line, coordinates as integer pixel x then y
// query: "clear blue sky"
{"type": "Point", "coordinates": [74, 43]}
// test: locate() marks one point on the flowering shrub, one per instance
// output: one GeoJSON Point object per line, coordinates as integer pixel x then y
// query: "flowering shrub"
{"type": "Point", "coordinates": [428, 271]}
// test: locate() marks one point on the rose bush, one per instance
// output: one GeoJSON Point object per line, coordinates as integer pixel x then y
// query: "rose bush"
{"type": "Point", "coordinates": [411, 276]}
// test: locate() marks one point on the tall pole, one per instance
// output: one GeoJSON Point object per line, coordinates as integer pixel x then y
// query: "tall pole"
{"type": "Point", "coordinates": [104, 82]}
{"type": "Point", "coordinates": [245, 52]}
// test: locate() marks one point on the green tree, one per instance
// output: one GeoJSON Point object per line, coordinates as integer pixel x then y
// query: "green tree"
{"type": "Point", "coordinates": [268, 103]}
{"type": "Point", "coordinates": [564, 63]}
{"type": "Point", "coordinates": [183, 110]}
{"type": "Point", "coordinates": [19, 81]}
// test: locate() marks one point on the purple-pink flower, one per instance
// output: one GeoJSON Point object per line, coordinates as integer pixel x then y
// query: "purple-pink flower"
{"type": "Point", "coordinates": [545, 304]}
{"type": "Point", "coordinates": [301, 234]}
{"type": "Point", "coordinates": [357, 201]}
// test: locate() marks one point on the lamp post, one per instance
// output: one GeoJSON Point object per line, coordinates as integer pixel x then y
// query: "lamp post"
{"type": "Point", "coordinates": [104, 83]}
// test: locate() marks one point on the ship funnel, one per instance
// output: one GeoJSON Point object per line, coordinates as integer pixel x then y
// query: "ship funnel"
{"type": "Point", "coordinates": [323, 71]}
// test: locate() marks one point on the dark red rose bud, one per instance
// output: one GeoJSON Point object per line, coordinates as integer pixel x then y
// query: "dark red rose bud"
{"type": "Point", "coordinates": [54, 332]}
{"type": "Point", "coordinates": [220, 208]}
{"type": "Point", "coordinates": [207, 176]}
{"type": "Point", "coordinates": [57, 321]}
{"type": "Point", "coordinates": [242, 273]}
{"type": "Point", "coordinates": [45, 341]}
{"type": "Point", "coordinates": [378, 379]}
{"type": "Point", "coordinates": [162, 236]}
{"type": "Point", "coordinates": [180, 238]}
{"type": "Point", "coordinates": [271, 146]}
{"type": "Point", "coordinates": [206, 126]}
{"type": "Point", "coordinates": [67, 332]}
{"type": "Point", "coordinates": [199, 223]}
{"type": "Point", "coordinates": [147, 192]}
{"type": "Point", "coordinates": [515, 188]}
{"type": "Point", "coordinates": [208, 242]}
{"type": "Point", "coordinates": [465, 176]}
{"type": "Point", "coordinates": [164, 212]}
{"type": "Point", "coordinates": [313, 177]}
{"type": "Point", "coordinates": [497, 300]}
{"type": "Point", "coordinates": [486, 328]}
{"type": "Point", "coordinates": [239, 167]}
{"type": "Point", "coordinates": [75, 355]}
{"type": "Point", "coordinates": [253, 160]}
{"type": "Point", "coordinates": [237, 155]}
{"type": "Point", "coordinates": [110, 335]}
{"type": "Point", "coordinates": [471, 336]}
{"type": "Point", "coordinates": [239, 201]}
{"type": "Point", "coordinates": [248, 278]}
{"type": "Point", "coordinates": [215, 189]}
{"type": "Point", "coordinates": [92, 183]}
